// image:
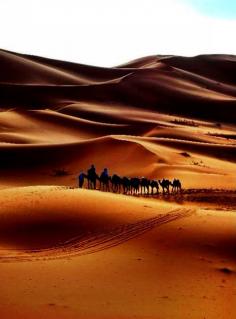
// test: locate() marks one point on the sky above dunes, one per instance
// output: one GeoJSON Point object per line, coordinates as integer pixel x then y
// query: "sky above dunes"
{"type": "Point", "coordinates": [216, 8]}
{"type": "Point", "coordinates": [112, 32]}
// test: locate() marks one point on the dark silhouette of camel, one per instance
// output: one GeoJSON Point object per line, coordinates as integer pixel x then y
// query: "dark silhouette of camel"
{"type": "Point", "coordinates": [116, 182]}
{"type": "Point", "coordinates": [104, 180]}
{"type": "Point", "coordinates": [145, 183]}
{"type": "Point", "coordinates": [126, 185]}
{"type": "Point", "coordinates": [130, 185]}
{"type": "Point", "coordinates": [92, 177]}
{"type": "Point", "coordinates": [135, 184]}
{"type": "Point", "coordinates": [165, 184]}
{"type": "Point", "coordinates": [176, 186]}
{"type": "Point", "coordinates": [154, 184]}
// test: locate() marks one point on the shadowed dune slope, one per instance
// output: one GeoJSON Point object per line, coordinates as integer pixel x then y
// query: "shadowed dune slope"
{"type": "Point", "coordinates": [58, 250]}
{"type": "Point", "coordinates": [159, 116]}
{"type": "Point", "coordinates": [29, 226]}
{"type": "Point", "coordinates": [60, 246]}
{"type": "Point", "coordinates": [167, 84]}
{"type": "Point", "coordinates": [25, 69]}
{"type": "Point", "coordinates": [218, 67]}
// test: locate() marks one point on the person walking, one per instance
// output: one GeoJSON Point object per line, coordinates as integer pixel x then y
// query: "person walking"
{"type": "Point", "coordinates": [81, 177]}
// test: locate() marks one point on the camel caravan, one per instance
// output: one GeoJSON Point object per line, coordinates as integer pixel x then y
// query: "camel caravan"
{"type": "Point", "coordinates": [126, 185]}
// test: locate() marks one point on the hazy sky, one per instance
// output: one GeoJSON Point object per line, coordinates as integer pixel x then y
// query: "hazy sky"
{"type": "Point", "coordinates": [111, 32]}
{"type": "Point", "coordinates": [218, 8]}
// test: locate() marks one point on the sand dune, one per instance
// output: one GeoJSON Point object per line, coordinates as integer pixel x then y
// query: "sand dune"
{"type": "Point", "coordinates": [25, 69]}
{"type": "Point", "coordinates": [218, 67]}
{"type": "Point", "coordinates": [45, 233]}
{"type": "Point", "coordinates": [129, 142]}
{"type": "Point", "coordinates": [70, 253]}
{"type": "Point", "coordinates": [140, 243]}
{"type": "Point", "coordinates": [165, 85]}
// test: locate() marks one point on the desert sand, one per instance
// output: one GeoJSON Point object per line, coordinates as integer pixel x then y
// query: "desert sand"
{"type": "Point", "coordinates": [76, 253]}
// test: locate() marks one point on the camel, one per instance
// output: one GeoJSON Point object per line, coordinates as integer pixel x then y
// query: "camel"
{"type": "Point", "coordinates": [176, 186]}
{"type": "Point", "coordinates": [126, 184]}
{"type": "Point", "coordinates": [104, 182]}
{"type": "Point", "coordinates": [145, 183]}
{"type": "Point", "coordinates": [165, 184]}
{"type": "Point", "coordinates": [116, 182]}
{"type": "Point", "coordinates": [135, 183]}
{"type": "Point", "coordinates": [92, 181]}
{"type": "Point", "coordinates": [154, 184]}
{"type": "Point", "coordinates": [130, 185]}
{"type": "Point", "coordinates": [92, 177]}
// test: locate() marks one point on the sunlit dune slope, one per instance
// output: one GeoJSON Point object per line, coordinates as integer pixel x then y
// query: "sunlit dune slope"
{"type": "Point", "coordinates": [32, 227]}
{"type": "Point", "coordinates": [77, 253]}
{"type": "Point", "coordinates": [153, 117]}
{"type": "Point", "coordinates": [59, 248]}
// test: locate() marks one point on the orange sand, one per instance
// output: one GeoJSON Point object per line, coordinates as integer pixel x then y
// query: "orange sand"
{"type": "Point", "coordinates": [69, 253]}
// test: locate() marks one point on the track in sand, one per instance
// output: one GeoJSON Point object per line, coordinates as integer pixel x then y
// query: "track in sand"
{"type": "Point", "coordinates": [95, 241]}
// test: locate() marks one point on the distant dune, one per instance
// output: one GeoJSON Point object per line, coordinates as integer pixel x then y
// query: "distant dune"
{"type": "Point", "coordinates": [74, 253]}
{"type": "Point", "coordinates": [60, 114]}
{"type": "Point", "coordinates": [203, 86]}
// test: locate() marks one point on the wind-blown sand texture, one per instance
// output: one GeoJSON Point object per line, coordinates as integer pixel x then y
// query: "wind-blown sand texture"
{"type": "Point", "coordinates": [70, 253]}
